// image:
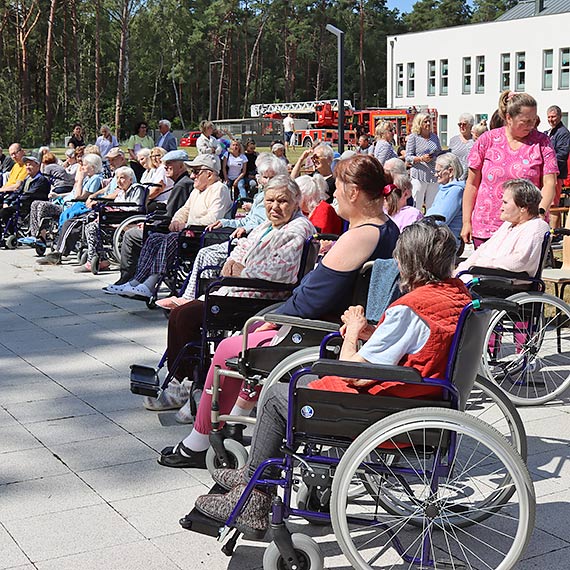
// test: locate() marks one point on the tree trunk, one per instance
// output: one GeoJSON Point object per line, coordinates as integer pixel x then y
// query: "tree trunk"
{"type": "Point", "coordinates": [122, 65]}
{"type": "Point", "coordinates": [65, 64]}
{"type": "Point", "coordinates": [361, 57]}
{"type": "Point", "coordinates": [254, 51]}
{"type": "Point", "coordinates": [97, 65]}
{"type": "Point", "coordinates": [76, 56]}
{"type": "Point", "coordinates": [49, 47]}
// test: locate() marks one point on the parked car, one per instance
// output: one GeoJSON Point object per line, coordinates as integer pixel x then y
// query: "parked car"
{"type": "Point", "coordinates": [189, 139]}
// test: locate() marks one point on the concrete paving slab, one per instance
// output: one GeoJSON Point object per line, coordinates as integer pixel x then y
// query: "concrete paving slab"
{"type": "Point", "coordinates": [71, 532]}
{"type": "Point", "coordinates": [48, 495]}
{"type": "Point", "coordinates": [12, 556]}
{"type": "Point", "coordinates": [133, 556]}
{"type": "Point", "coordinates": [16, 438]}
{"type": "Point", "coordinates": [30, 464]}
{"type": "Point", "coordinates": [67, 430]}
{"type": "Point", "coordinates": [43, 410]}
{"type": "Point", "coordinates": [103, 452]}
{"type": "Point", "coordinates": [31, 392]}
{"type": "Point", "coordinates": [136, 479]}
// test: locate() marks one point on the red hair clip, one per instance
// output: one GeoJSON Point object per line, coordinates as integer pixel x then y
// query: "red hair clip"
{"type": "Point", "coordinates": [388, 189]}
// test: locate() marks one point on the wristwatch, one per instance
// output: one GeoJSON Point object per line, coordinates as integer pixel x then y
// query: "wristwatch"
{"type": "Point", "coordinates": [541, 211]}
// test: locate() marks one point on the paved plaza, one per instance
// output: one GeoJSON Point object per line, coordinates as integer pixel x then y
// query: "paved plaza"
{"type": "Point", "coordinates": [80, 487]}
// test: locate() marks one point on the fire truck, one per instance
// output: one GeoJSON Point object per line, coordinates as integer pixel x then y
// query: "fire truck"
{"type": "Point", "coordinates": [323, 125]}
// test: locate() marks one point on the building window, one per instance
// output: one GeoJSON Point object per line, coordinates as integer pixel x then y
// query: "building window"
{"type": "Point", "coordinates": [564, 82]}
{"type": "Point", "coordinates": [520, 79]}
{"type": "Point", "coordinates": [547, 65]}
{"type": "Point", "coordinates": [431, 77]}
{"type": "Point", "coordinates": [505, 71]}
{"type": "Point", "coordinates": [480, 70]}
{"type": "Point", "coordinates": [466, 89]}
{"type": "Point", "coordinates": [399, 80]}
{"type": "Point", "coordinates": [411, 79]}
{"type": "Point", "coordinates": [565, 119]}
{"type": "Point", "coordinates": [443, 76]}
{"type": "Point", "coordinates": [443, 130]}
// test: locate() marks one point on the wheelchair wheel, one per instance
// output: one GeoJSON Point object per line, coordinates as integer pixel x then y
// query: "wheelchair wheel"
{"type": "Point", "coordinates": [82, 255]}
{"type": "Point", "coordinates": [448, 470]}
{"type": "Point", "coordinates": [237, 455]}
{"type": "Point", "coordinates": [307, 550]}
{"type": "Point", "coordinates": [11, 242]}
{"type": "Point", "coordinates": [119, 234]}
{"type": "Point", "coordinates": [528, 353]}
{"type": "Point", "coordinates": [151, 302]}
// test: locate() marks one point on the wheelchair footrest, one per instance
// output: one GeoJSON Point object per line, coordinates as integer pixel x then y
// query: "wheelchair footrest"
{"type": "Point", "coordinates": [203, 524]}
{"type": "Point", "coordinates": [144, 381]}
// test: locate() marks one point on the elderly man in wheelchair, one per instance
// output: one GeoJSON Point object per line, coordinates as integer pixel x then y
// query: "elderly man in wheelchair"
{"type": "Point", "coordinates": [414, 485]}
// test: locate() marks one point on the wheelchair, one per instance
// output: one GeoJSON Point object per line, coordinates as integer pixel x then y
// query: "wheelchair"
{"type": "Point", "coordinates": [222, 316]}
{"type": "Point", "coordinates": [304, 343]}
{"type": "Point", "coordinates": [527, 350]}
{"type": "Point", "coordinates": [113, 218]}
{"type": "Point", "coordinates": [418, 482]}
{"type": "Point", "coordinates": [16, 226]}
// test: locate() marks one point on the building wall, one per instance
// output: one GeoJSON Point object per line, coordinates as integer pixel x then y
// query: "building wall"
{"type": "Point", "coordinates": [530, 36]}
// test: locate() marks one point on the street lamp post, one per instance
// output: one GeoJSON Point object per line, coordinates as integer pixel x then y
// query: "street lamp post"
{"type": "Point", "coordinates": [210, 87]}
{"type": "Point", "coordinates": [340, 83]}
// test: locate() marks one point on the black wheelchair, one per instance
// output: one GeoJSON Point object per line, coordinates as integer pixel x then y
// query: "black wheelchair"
{"type": "Point", "coordinates": [16, 225]}
{"type": "Point", "coordinates": [414, 482]}
{"type": "Point", "coordinates": [528, 349]}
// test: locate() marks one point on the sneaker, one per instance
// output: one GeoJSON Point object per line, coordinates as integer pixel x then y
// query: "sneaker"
{"type": "Point", "coordinates": [228, 478]}
{"type": "Point", "coordinates": [254, 516]}
{"type": "Point", "coordinates": [27, 240]}
{"type": "Point", "coordinates": [184, 414]}
{"type": "Point", "coordinates": [172, 397]}
{"type": "Point", "coordinates": [50, 259]}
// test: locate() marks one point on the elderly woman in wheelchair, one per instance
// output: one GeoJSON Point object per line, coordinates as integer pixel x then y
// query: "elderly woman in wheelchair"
{"type": "Point", "coordinates": [323, 293]}
{"type": "Point", "coordinates": [414, 479]}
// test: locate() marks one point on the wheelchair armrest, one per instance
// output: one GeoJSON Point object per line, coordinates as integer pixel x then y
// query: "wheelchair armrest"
{"type": "Point", "coordinates": [245, 283]}
{"type": "Point", "coordinates": [125, 205]}
{"type": "Point", "coordinates": [301, 323]}
{"type": "Point", "coordinates": [102, 199]}
{"type": "Point", "coordinates": [367, 371]}
{"type": "Point", "coordinates": [496, 272]}
{"type": "Point", "coordinates": [495, 303]}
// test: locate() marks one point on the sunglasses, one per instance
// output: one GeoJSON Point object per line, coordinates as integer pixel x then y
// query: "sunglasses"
{"type": "Point", "coordinates": [462, 124]}
{"type": "Point", "coordinates": [196, 171]}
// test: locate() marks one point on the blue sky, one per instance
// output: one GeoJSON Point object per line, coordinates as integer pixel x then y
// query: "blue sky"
{"type": "Point", "coordinates": [404, 5]}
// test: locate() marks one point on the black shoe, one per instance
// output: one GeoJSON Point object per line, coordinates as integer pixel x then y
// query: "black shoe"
{"type": "Point", "coordinates": [195, 459]}
{"type": "Point", "coordinates": [234, 431]}
{"type": "Point", "coordinates": [50, 259]}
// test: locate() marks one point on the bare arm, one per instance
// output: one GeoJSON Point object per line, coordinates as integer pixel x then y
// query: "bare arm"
{"type": "Point", "coordinates": [548, 191]}
{"type": "Point", "coordinates": [469, 196]}
{"type": "Point", "coordinates": [295, 173]}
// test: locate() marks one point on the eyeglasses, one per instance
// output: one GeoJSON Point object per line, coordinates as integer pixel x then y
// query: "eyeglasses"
{"type": "Point", "coordinates": [156, 156]}
{"type": "Point", "coordinates": [462, 125]}
{"type": "Point", "coordinates": [196, 171]}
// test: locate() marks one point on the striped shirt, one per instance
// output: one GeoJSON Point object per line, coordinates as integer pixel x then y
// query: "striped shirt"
{"type": "Point", "coordinates": [461, 148]}
{"type": "Point", "coordinates": [418, 146]}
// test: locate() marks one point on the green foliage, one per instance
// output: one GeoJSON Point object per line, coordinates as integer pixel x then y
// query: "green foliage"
{"type": "Point", "coordinates": [172, 42]}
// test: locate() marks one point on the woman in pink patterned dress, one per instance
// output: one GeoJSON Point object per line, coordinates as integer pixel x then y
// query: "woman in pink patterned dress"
{"type": "Point", "coordinates": [516, 150]}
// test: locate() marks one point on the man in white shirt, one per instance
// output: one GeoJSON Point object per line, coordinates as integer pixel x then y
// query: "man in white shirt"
{"type": "Point", "coordinates": [289, 131]}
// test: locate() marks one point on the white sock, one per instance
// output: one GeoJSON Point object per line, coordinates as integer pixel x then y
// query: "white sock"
{"type": "Point", "coordinates": [239, 411]}
{"type": "Point", "coordinates": [196, 441]}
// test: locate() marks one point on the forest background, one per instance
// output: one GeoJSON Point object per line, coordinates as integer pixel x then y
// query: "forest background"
{"type": "Point", "coordinates": [120, 61]}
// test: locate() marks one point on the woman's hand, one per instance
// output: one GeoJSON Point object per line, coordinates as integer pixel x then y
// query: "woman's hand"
{"type": "Point", "coordinates": [239, 233]}
{"type": "Point", "coordinates": [176, 226]}
{"type": "Point", "coordinates": [267, 327]}
{"type": "Point", "coordinates": [354, 322]}
{"type": "Point", "coordinates": [466, 232]}
{"type": "Point", "coordinates": [232, 268]}
{"type": "Point", "coordinates": [356, 383]}
{"type": "Point", "coordinates": [214, 226]}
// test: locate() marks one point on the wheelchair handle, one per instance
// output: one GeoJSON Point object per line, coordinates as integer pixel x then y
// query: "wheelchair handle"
{"type": "Point", "coordinates": [495, 303]}
{"type": "Point", "coordinates": [561, 232]}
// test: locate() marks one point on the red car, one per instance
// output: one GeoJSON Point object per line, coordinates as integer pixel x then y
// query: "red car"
{"type": "Point", "coordinates": [189, 139]}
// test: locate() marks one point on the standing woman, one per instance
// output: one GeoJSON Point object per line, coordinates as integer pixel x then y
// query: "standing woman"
{"type": "Point", "coordinates": [461, 144]}
{"type": "Point", "coordinates": [206, 143]}
{"type": "Point", "coordinates": [140, 139]}
{"type": "Point", "coordinates": [422, 148]}
{"type": "Point", "coordinates": [516, 150]}
{"type": "Point", "coordinates": [384, 145]}
{"type": "Point", "coordinates": [234, 166]}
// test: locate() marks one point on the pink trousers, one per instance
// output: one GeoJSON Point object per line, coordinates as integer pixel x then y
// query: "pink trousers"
{"type": "Point", "coordinates": [230, 387]}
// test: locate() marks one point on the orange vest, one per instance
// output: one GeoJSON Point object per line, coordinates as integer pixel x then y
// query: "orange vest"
{"type": "Point", "coordinates": [439, 306]}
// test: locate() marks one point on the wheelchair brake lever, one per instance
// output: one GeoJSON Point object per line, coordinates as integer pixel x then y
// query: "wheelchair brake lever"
{"type": "Point", "coordinates": [287, 451]}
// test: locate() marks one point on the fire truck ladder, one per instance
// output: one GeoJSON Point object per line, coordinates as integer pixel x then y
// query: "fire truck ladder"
{"type": "Point", "coordinates": [298, 107]}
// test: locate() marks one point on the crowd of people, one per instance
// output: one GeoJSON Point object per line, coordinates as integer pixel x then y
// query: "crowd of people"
{"type": "Point", "coordinates": [492, 188]}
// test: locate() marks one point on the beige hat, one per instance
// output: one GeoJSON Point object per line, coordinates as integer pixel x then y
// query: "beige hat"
{"type": "Point", "coordinates": [115, 152]}
{"type": "Point", "coordinates": [209, 161]}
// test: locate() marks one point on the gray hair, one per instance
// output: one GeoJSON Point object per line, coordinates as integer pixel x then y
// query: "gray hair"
{"type": "Point", "coordinates": [285, 181]}
{"type": "Point", "coordinates": [313, 189]}
{"type": "Point", "coordinates": [126, 171]}
{"type": "Point", "coordinates": [395, 166]}
{"type": "Point", "coordinates": [425, 252]}
{"type": "Point", "coordinates": [95, 161]}
{"type": "Point", "coordinates": [277, 146]}
{"type": "Point", "coordinates": [328, 152]}
{"type": "Point", "coordinates": [105, 128]}
{"type": "Point", "coordinates": [555, 108]}
{"type": "Point", "coordinates": [467, 117]}
{"type": "Point", "coordinates": [143, 152]}
{"type": "Point", "coordinates": [165, 122]}
{"type": "Point", "coordinates": [449, 160]}
{"type": "Point", "coordinates": [525, 194]}
{"type": "Point", "coordinates": [266, 162]}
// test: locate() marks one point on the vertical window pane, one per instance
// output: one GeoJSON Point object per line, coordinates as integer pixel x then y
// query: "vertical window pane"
{"type": "Point", "coordinates": [564, 82]}
{"type": "Point", "coordinates": [411, 79]}
{"type": "Point", "coordinates": [443, 130]}
{"type": "Point", "coordinates": [520, 79]}
{"type": "Point", "coordinates": [480, 67]}
{"type": "Point", "coordinates": [443, 76]}
{"type": "Point", "coordinates": [431, 77]}
{"type": "Point", "coordinates": [466, 76]}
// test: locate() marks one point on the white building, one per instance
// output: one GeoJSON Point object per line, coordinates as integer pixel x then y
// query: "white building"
{"type": "Point", "coordinates": [464, 69]}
